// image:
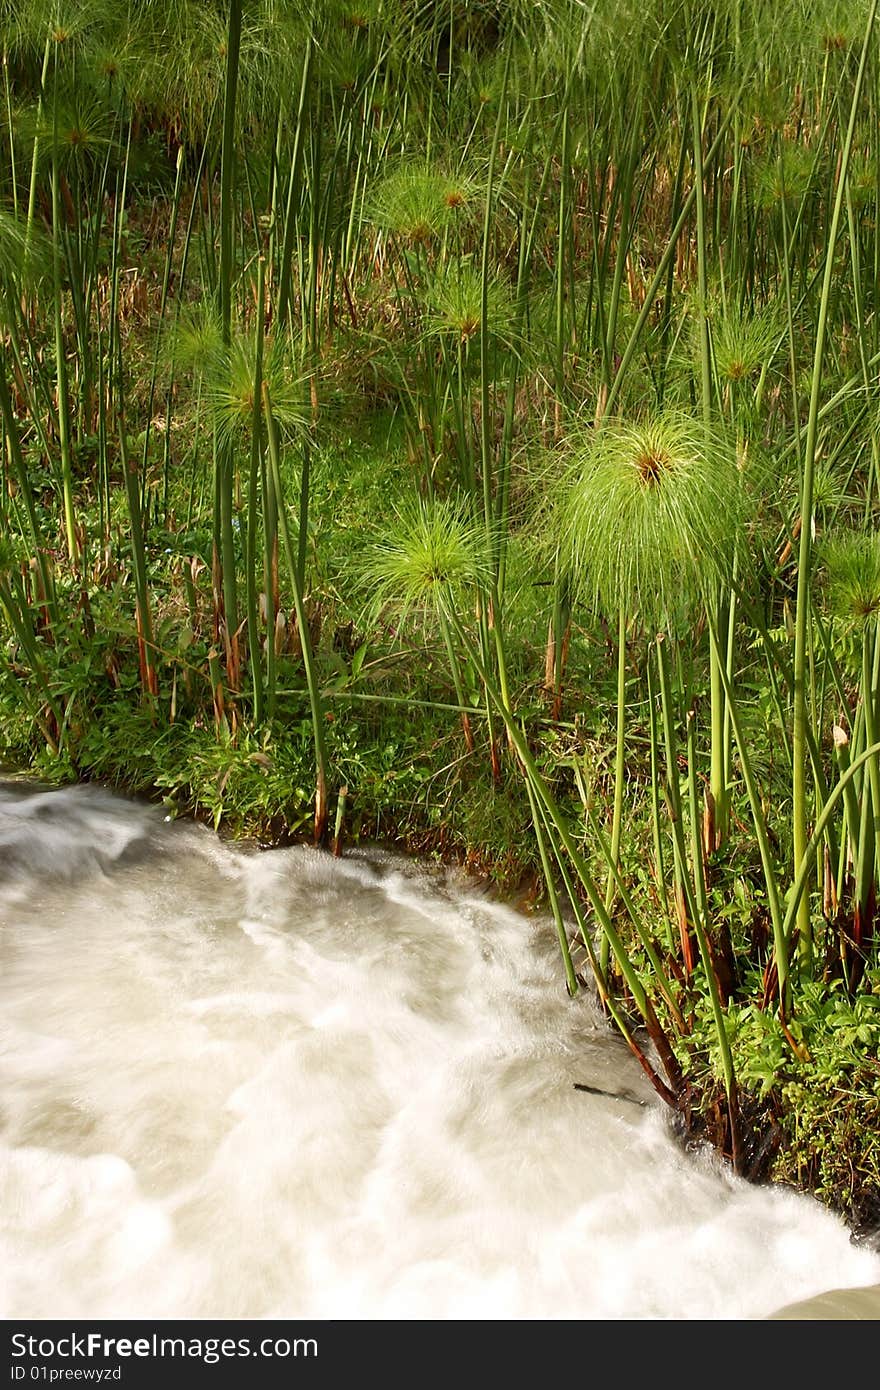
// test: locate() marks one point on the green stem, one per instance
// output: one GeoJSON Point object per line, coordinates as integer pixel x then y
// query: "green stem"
{"type": "Point", "coordinates": [562, 935]}
{"type": "Point", "coordinates": [61, 357]}
{"type": "Point", "coordinates": [619, 768]}
{"type": "Point", "coordinates": [256, 458]}
{"type": "Point", "coordinates": [225, 459]}
{"type": "Point", "coordinates": [314, 691]}
{"type": "Point", "coordinates": [780, 938]}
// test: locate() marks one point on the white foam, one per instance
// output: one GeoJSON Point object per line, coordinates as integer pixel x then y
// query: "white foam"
{"type": "Point", "coordinates": [241, 1084]}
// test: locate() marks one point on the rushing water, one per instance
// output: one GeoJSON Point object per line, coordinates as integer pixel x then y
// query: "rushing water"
{"type": "Point", "coordinates": [241, 1084]}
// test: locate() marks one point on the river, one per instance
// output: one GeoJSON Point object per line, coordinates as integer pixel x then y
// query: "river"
{"type": "Point", "coordinates": [239, 1083]}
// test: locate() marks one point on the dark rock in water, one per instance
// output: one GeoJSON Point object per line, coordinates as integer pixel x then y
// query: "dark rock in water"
{"type": "Point", "coordinates": [612, 1095]}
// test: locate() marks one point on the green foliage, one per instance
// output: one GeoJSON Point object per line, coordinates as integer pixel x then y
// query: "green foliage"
{"type": "Point", "coordinates": [852, 571]}
{"type": "Point", "coordinates": [417, 204]}
{"type": "Point", "coordinates": [385, 322]}
{"type": "Point", "coordinates": [455, 305]}
{"type": "Point", "coordinates": [652, 517]}
{"type": "Point", "coordinates": [24, 256]}
{"type": "Point", "coordinates": [829, 1098]}
{"type": "Point", "coordinates": [428, 559]}
{"type": "Point", "coordinates": [744, 345]}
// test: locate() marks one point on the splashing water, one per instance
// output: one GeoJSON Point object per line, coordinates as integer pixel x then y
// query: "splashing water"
{"type": "Point", "coordinates": [245, 1084]}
